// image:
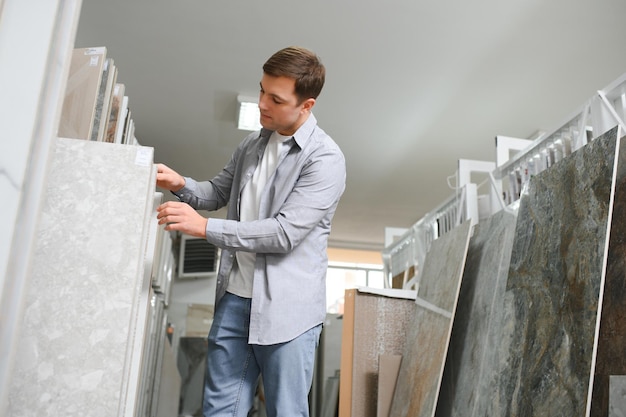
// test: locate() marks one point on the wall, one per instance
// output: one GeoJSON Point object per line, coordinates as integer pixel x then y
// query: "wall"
{"type": "Point", "coordinates": [32, 81]}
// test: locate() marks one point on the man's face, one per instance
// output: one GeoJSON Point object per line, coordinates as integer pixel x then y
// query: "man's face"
{"type": "Point", "coordinates": [279, 106]}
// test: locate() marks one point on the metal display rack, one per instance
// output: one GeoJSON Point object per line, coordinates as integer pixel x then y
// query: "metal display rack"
{"type": "Point", "coordinates": [603, 111]}
{"type": "Point", "coordinates": [507, 178]}
{"type": "Point", "coordinates": [407, 253]}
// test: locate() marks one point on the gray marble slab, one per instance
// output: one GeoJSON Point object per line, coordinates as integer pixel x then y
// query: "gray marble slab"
{"type": "Point", "coordinates": [611, 339]}
{"type": "Point", "coordinates": [553, 287]}
{"type": "Point", "coordinates": [428, 334]}
{"type": "Point", "coordinates": [471, 371]}
{"type": "Point", "coordinates": [83, 310]}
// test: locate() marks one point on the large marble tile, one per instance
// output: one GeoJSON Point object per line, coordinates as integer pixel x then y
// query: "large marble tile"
{"type": "Point", "coordinates": [611, 341]}
{"type": "Point", "coordinates": [470, 374]}
{"type": "Point", "coordinates": [555, 277]}
{"type": "Point", "coordinates": [428, 334]}
{"type": "Point", "coordinates": [82, 315]}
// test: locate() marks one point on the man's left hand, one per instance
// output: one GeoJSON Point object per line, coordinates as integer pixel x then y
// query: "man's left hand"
{"type": "Point", "coordinates": [183, 218]}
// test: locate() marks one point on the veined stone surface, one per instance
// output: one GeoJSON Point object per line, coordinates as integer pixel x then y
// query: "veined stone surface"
{"type": "Point", "coordinates": [428, 334]}
{"type": "Point", "coordinates": [554, 285]}
{"type": "Point", "coordinates": [471, 373]}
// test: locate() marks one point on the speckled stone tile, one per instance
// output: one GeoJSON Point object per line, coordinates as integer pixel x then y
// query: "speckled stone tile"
{"type": "Point", "coordinates": [82, 314]}
{"type": "Point", "coordinates": [380, 324]}
{"type": "Point", "coordinates": [470, 374]}
{"type": "Point", "coordinates": [428, 334]}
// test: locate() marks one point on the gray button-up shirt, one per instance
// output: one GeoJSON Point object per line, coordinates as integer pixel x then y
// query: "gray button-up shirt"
{"type": "Point", "coordinates": [290, 237]}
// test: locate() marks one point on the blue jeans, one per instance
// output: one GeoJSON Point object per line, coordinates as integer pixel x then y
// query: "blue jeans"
{"type": "Point", "coordinates": [234, 366]}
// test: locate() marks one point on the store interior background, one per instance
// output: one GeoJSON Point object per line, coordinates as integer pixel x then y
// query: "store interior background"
{"type": "Point", "coordinates": [411, 88]}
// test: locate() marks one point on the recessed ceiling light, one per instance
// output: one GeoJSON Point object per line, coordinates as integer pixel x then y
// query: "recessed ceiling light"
{"type": "Point", "coordinates": [249, 115]}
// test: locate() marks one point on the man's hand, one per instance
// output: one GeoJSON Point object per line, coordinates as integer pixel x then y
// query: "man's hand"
{"type": "Point", "coordinates": [169, 179]}
{"type": "Point", "coordinates": [183, 218]}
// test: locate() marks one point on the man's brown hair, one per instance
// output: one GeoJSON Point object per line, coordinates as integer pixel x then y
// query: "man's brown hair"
{"type": "Point", "coordinates": [300, 64]}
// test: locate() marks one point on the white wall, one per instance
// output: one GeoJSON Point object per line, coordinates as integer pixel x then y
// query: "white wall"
{"type": "Point", "coordinates": [33, 75]}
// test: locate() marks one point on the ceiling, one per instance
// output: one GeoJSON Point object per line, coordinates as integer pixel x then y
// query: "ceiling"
{"type": "Point", "coordinates": [412, 85]}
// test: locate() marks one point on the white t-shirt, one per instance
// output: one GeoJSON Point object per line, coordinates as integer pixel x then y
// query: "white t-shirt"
{"type": "Point", "coordinates": [240, 282]}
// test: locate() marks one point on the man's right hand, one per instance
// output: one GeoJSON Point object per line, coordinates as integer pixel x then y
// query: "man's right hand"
{"type": "Point", "coordinates": [169, 179]}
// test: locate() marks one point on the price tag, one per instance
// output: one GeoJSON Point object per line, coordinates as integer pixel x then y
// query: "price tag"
{"type": "Point", "coordinates": [143, 157]}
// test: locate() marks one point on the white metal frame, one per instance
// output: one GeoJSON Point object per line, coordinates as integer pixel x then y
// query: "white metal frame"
{"type": "Point", "coordinates": [508, 178]}
{"type": "Point", "coordinates": [603, 111]}
{"type": "Point", "coordinates": [411, 248]}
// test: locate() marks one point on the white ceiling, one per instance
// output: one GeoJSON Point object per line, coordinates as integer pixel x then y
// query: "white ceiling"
{"type": "Point", "coordinates": [412, 85]}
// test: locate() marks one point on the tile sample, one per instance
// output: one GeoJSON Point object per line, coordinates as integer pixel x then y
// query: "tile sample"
{"type": "Point", "coordinates": [471, 372]}
{"type": "Point", "coordinates": [85, 311]}
{"type": "Point", "coordinates": [373, 325]}
{"type": "Point", "coordinates": [116, 111]}
{"type": "Point", "coordinates": [81, 95]}
{"type": "Point", "coordinates": [611, 342]}
{"type": "Point", "coordinates": [388, 369]}
{"type": "Point", "coordinates": [428, 334]}
{"type": "Point", "coordinates": [555, 277]}
{"type": "Point", "coordinates": [103, 100]}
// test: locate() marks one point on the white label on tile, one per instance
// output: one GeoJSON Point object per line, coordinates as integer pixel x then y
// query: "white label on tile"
{"type": "Point", "coordinates": [93, 51]}
{"type": "Point", "coordinates": [93, 61]}
{"type": "Point", "coordinates": [143, 157]}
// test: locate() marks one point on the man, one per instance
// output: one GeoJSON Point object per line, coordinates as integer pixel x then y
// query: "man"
{"type": "Point", "coordinates": [282, 186]}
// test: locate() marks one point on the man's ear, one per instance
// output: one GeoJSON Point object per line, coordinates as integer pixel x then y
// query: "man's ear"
{"type": "Point", "coordinates": [308, 104]}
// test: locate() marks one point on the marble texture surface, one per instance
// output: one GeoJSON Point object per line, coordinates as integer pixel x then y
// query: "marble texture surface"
{"type": "Point", "coordinates": [84, 298]}
{"type": "Point", "coordinates": [553, 287]}
{"type": "Point", "coordinates": [428, 334]}
{"type": "Point", "coordinates": [471, 372]}
{"type": "Point", "coordinates": [611, 341]}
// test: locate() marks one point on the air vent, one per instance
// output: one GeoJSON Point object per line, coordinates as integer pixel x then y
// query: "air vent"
{"type": "Point", "coordinates": [198, 258]}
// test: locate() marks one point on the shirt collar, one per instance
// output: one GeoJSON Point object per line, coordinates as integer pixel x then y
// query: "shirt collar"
{"type": "Point", "coordinates": [303, 133]}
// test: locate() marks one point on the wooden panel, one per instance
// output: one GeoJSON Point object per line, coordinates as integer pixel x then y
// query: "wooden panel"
{"type": "Point", "coordinates": [347, 355]}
